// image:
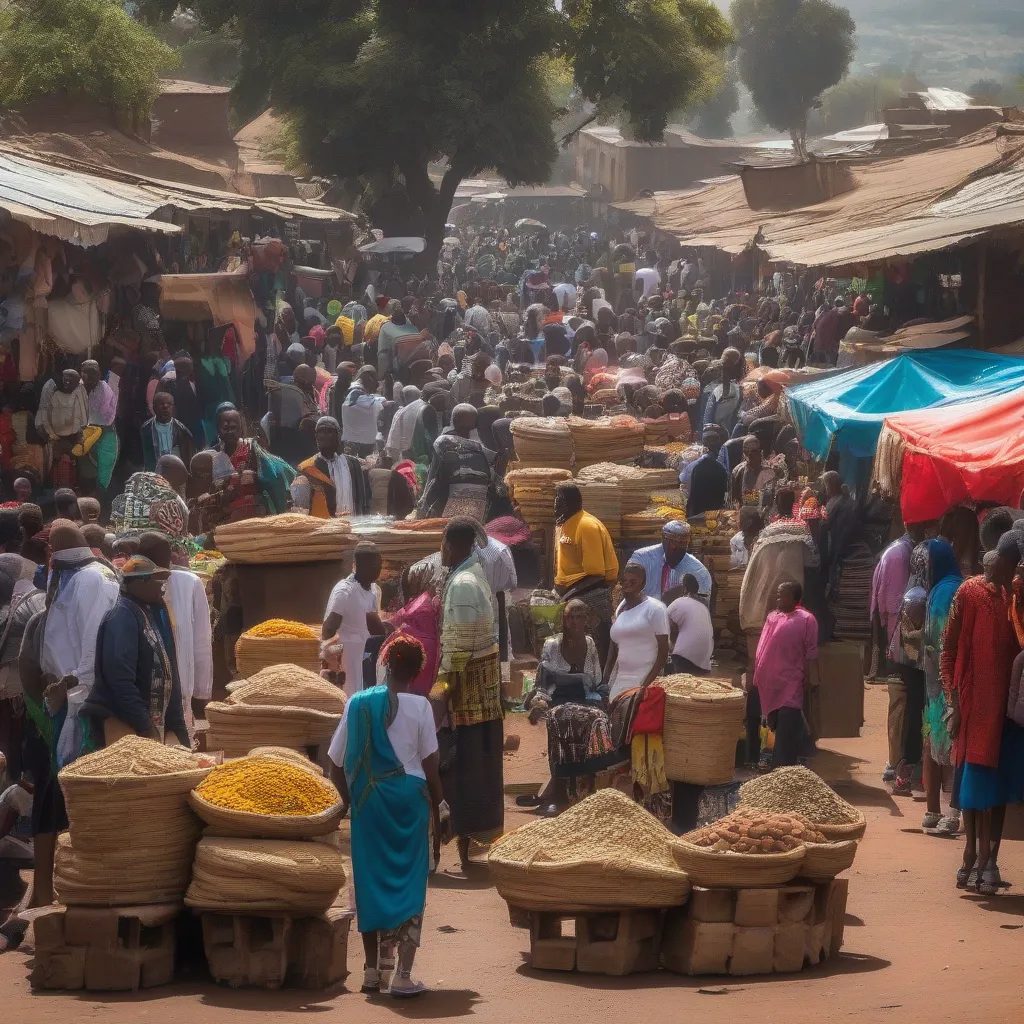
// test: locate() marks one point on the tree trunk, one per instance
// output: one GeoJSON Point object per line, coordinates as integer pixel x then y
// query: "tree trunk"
{"type": "Point", "coordinates": [435, 204]}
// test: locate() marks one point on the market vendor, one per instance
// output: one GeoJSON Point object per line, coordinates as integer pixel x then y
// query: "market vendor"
{"type": "Point", "coordinates": [706, 481]}
{"type": "Point", "coordinates": [137, 690]}
{"type": "Point", "coordinates": [330, 484]}
{"type": "Point", "coordinates": [668, 562]}
{"type": "Point", "coordinates": [353, 613]}
{"type": "Point", "coordinates": [787, 655]}
{"type": "Point", "coordinates": [753, 478]}
{"type": "Point", "coordinates": [62, 416]}
{"type": "Point", "coordinates": [100, 447]}
{"type": "Point", "coordinates": [586, 565]}
{"type": "Point", "coordinates": [460, 479]}
{"type": "Point", "coordinates": [165, 434]}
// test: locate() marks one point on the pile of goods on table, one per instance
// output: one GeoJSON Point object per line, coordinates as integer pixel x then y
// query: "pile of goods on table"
{"type": "Point", "coordinates": [636, 484]}
{"type": "Point", "coordinates": [544, 441]}
{"type": "Point", "coordinates": [289, 537]}
{"type": "Point", "coordinates": [609, 439]}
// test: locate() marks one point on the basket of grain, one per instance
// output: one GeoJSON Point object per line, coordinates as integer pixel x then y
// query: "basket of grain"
{"type": "Point", "coordinates": [823, 861]}
{"type": "Point", "coordinates": [287, 686]}
{"type": "Point", "coordinates": [267, 797]}
{"type": "Point", "coordinates": [245, 876]}
{"type": "Point", "coordinates": [277, 642]}
{"type": "Point", "coordinates": [289, 755]}
{"type": "Point", "coordinates": [797, 789]}
{"type": "Point", "coordinates": [703, 718]}
{"type": "Point", "coordinates": [746, 849]}
{"type": "Point", "coordinates": [132, 834]}
{"type": "Point", "coordinates": [604, 852]}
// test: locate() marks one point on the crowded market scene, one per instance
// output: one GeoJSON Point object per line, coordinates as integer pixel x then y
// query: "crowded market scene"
{"type": "Point", "coordinates": [606, 595]}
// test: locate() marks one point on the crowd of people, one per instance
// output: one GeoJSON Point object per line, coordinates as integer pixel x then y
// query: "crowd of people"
{"type": "Point", "coordinates": [397, 397]}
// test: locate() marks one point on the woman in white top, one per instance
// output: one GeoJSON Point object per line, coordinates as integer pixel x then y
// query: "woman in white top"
{"type": "Point", "coordinates": [386, 769]}
{"type": "Point", "coordinates": [639, 634]}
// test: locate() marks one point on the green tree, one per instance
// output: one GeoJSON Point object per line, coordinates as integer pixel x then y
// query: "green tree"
{"type": "Point", "coordinates": [791, 51]}
{"type": "Point", "coordinates": [385, 90]}
{"type": "Point", "coordinates": [856, 101]}
{"type": "Point", "coordinates": [80, 47]}
{"type": "Point", "coordinates": [987, 91]}
{"type": "Point", "coordinates": [713, 118]}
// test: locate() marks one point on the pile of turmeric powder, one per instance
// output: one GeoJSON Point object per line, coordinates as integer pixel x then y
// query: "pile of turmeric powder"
{"type": "Point", "coordinates": [267, 785]}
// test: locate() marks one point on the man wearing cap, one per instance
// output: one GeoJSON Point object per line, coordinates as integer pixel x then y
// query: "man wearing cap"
{"type": "Point", "coordinates": [706, 480]}
{"type": "Point", "coordinates": [137, 689]}
{"type": "Point", "coordinates": [353, 613]}
{"type": "Point", "coordinates": [668, 562]}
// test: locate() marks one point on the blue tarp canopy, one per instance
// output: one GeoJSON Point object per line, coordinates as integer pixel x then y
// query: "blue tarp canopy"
{"type": "Point", "coordinates": [848, 409]}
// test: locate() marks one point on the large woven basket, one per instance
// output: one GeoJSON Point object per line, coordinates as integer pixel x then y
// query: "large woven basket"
{"type": "Point", "coordinates": [855, 830]}
{"type": "Point", "coordinates": [823, 861]}
{"type": "Point", "coordinates": [246, 876]}
{"type": "Point", "coordinates": [266, 826]}
{"type": "Point", "coordinates": [724, 869]}
{"type": "Point", "coordinates": [238, 728]}
{"type": "Point", "coordinates": [700, 736]}
{"type": "Point", "coordinates": [253, 653]}
{"type": "Point", "coordinates": [587, 885]}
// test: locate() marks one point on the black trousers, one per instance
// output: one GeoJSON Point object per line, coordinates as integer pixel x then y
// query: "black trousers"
{"type": "Point", "coordinates": [792, 740]}
{"type": "Point", "coordinates": [912, 743]}
{"type": "Point", "coordinates": [681, 664]}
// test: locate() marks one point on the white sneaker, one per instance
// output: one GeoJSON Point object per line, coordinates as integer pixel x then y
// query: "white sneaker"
{"type": "Point", "coordinates": [403, 987]}
{"type": "Point", "coordinates": [371, 980]}
{"type": "Point", "coordinates": [949, 825]}
{"type": "Point", "coordinates": [931, 820]}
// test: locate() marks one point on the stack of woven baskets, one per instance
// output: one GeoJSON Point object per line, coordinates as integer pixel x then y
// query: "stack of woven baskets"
{"type": "Point", "coordinates": [280, 706]}
{"type": "Point", "coordinates": [407, 540]}
{"type": "Point", "coordinates": [542, 441]}
{"type": "Point", "coordinates": [267, 813]}
{"type": "Point", "coordinates": [665, 429]}
{"type": "Point", "coordinates": [132, 836]}
{"type": "Point", "coordinates": [603, 499]}
{"type": "Point", "coordinates": [636, 484]}
{"type": "Point", "coordinates": [533, 491]}
{"type": "Point", "coordinates": [703, 720]}
{"type": "Point", "coordinates": [290, 537]}
{"type": "Point", "coordinates": [277, 642]}
{"type": "Point", "coordinates": [609, 439]}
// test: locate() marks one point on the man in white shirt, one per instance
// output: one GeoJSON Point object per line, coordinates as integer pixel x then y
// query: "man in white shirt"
{"type": "Point", "coordinates": [403, 426]}
{"type": "Point", "coordinates": [359, 413]}
{"type": "Point", "coordinates": [189, 608]}
{"type": "Point", "coordinates": [666, 563]}
{"type": "Point", "coordinates": [566, 295]}
{"type": "Point", "coordinates": [353, 613]}
{"type": "Point", "coordinates": [695, 640]}
{"type": "Point", "coordinates": [650, 278]}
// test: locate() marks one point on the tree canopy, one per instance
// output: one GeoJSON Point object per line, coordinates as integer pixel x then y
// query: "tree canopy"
{"type": "Point", "coordinates": [385, 91]}
{"type": "Point", "coordinates": [790, 52]}
{"type": "Point", "coordinates": [81, 47]}
{"type": "Point", "coordinates": [713, 117]}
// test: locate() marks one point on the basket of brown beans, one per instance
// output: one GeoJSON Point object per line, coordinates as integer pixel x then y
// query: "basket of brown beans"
{"type": "Point", "coordinates": [746, 849]}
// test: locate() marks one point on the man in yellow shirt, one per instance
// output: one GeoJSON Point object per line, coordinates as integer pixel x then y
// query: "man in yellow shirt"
{"type": "Point", "coordinates": [585, 562]}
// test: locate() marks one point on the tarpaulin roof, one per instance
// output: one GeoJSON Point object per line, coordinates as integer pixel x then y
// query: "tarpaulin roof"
{"type": "Point", "coordinates": [850, 408]}
{"type": "Point", "coordinates": [937, 458]}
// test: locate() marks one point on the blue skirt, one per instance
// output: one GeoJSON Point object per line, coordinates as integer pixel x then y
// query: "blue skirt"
{"type": "Point", "coordinates": [981, 788]}
{"type": "Point", "coordinates": [1011, 762]}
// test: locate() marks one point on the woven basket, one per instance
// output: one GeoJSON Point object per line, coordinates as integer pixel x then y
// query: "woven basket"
{"type": "Point", "coordinates": [587, 885]}
{"type": "Point", "coordinates": [728, 870]}
{"type": "Point", "coordinates": [266, 826]}
{"type": "Point", "coordinates": [855, 830]}
{"type": "Point", "coordinates": [253, 653]}
{"type": "Point", "coordinates": [823, 861]}
{"type": "Point", "coordinates": [700, 737]}
{"type": "Point", "coordinates": [237, 728]}
{"type": "Point", "coordinates": [252, 875]}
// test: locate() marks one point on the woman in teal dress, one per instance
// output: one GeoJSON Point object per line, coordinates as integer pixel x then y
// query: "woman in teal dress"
{"type": "Point", "coordinates": [946, 578]}
{"type": "Point", "coordinates": [385, 753]}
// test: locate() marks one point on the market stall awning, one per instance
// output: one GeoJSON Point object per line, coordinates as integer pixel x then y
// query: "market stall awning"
{"type": "Point", "coordinates": [937, 458]}
{"type": "Point", "coordinates": [222, 298]}
{"type": "Point", "coordinates": [849, 409]}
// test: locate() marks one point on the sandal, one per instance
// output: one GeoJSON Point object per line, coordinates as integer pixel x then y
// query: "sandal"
{"type": "Point", "coordinates": [966, 878]}
{"type": "Point", "coordinates": [526, 800]}
{"type": "Point", "coordinates": [989, 881]}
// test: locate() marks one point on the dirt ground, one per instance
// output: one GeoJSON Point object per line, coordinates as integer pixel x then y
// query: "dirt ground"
{"type": "Point", "coordinates": [915, 948]}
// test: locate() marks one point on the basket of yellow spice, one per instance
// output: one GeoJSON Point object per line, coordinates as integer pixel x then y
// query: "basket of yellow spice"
{"type": "Point", "coordinates": [277, 641]}
{"type": "Point", "coordinates": [267, 797]}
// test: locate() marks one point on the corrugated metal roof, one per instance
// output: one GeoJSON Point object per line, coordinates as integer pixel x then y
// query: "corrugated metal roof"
{"type": "Point", "coordinates": [895, 203]}
{"type": "Point", "coordinates": [80, 202]}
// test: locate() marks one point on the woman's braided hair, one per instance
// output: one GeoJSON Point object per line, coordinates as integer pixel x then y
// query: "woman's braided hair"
{"type": "Point", "coordinates": [403, 655]}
